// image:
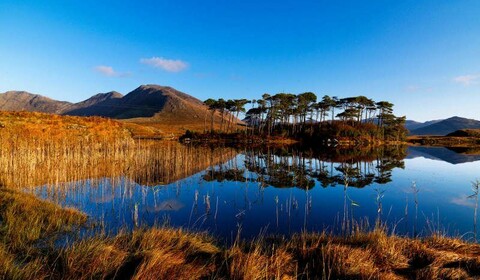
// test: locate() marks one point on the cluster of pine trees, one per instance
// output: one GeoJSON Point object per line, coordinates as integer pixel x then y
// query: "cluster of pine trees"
{"type": "Point", "coordinates": [301, 115]}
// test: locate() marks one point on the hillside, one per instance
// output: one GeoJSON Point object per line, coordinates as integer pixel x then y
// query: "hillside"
{"type": "Point", "coordinates": [25, 101]}
{"type": "Point", "coordinates": [466, 133]}
{"type": "Point", "coordinates": [48, 128]}
{"type": "Point", "coordinates": [447, 126]}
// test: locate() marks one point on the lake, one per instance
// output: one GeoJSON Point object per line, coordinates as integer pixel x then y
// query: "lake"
{"type": "Point", "coordinates": [413, 190]}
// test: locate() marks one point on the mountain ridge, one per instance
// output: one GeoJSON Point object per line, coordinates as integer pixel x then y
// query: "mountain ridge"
{"type": "Point", "coordinates": [146, 100]}
{"type": "Point", "coordinates": [25, 101]}
{"type": "Point", "coordinates": [159, 107]}
{"type": "Point", "coordinates": [412, 125]}
{"type": "Point", "coordinates": [446, 126]}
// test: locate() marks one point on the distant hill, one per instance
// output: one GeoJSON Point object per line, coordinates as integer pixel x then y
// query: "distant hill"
{"type": "Point", "coordinates": [412, 125]}
{"type": "Point", "coordinates": [25, 101]}
{"type": "Point", "coordinates": [44, 127]}
{"type": "Point", "coordinates": [447, 126]}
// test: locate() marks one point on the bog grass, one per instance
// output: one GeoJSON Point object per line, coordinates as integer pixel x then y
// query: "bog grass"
{"type": "Point", "coordinates": [167, 253]}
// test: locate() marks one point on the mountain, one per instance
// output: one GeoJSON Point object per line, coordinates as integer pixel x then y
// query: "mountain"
{"type": "Point", "coordinates": [25, 101]}
{"type": "Point", "coordinates": [94, 105]}
{"type": "Point", "coordinates": [147, 102]}
{"type": "Point", "coordinates": [446, 126]}
{"type": "Point", "coordinates": [412, 125]}
{"type": "Point", "coordinates": [154, 107]}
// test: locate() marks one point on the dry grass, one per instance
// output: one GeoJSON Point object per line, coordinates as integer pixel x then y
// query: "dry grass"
{"type": "Point", "coordinates": [145, 162]}
{"type": "Point", "coordinates": [10, 268]}
{"type": "Point", "coordinates": [159, 253]}
{"type": "Point", "coordinates": [24, 222]}
{"type": "Point", "coordinates": [25, 219]}
{"type": "Point", "coordinates": [173, 127]}
{"type": "Point", "coordinates": [18, 126]}
{"type": "Point", "coordinates": [38, 149]}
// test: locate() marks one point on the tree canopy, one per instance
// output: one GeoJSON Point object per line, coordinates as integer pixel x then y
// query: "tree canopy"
{"type": "Point", "coordinates": [305, 115]}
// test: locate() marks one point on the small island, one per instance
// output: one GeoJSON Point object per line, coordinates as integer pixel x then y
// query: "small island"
{"type": "Point", "coordinates": [282, 117]}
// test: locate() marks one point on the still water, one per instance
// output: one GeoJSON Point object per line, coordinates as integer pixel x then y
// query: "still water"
{"type": "Point", "coordinates": [414, 191]}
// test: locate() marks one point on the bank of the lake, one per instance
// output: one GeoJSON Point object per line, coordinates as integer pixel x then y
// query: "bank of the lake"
{"type": "Point", "coordinates": [30, 227]}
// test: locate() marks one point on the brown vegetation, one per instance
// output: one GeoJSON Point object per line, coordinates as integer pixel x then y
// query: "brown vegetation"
{"type": "Point", "coordinates": [24, 222]}
{"type": "Point", "coordinates": [37, 149]}
{"type": "Point", "coordinates": [41, 128]}
{"type": "Point", "coordinates": [444, 141]}
{"type": "Point", "coordinates": [63, 152]}
{"type": "Point", "coordinates": [166, 253]}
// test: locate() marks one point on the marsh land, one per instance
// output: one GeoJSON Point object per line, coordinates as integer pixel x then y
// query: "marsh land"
{"type": "Point", "coordinates": [81, 198]}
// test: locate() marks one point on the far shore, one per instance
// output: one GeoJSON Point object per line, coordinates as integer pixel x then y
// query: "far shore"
{"type": "Point", "coordinates": [443, 141]}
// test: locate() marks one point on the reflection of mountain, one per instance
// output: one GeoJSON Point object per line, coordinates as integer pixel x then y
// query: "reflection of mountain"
{"type": "Point", "coordinates": [450, 155]}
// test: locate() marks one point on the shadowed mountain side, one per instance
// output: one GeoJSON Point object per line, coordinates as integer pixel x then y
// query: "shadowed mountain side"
{"type": "Point", "coordinates": [471, 151]}
{"type": "Point", "coordinates": [25, 101]}
{"type": "Point", "coordinates": [449, 155]}
{"type": "Point", "coordinates": [102, 102]}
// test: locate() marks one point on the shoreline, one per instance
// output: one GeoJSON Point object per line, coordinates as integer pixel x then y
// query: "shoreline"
{"type": "Point", "coordinates": [176, 253]}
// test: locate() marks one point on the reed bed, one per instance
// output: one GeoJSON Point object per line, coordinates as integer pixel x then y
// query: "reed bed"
{"type": "Point", "coordinates": [29, 164]}
{"type": "Point", "coordinates": [38, 149]}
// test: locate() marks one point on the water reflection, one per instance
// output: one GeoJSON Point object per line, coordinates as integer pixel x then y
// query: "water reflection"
{"type": "Point", "coordinates": [285, 190]}
{"type": "Point", "coordinates": [286, 168]}
{"type": "Point", "coordinates": [453, 155]}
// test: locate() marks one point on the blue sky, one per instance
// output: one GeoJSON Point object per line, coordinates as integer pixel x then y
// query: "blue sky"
{"type": "Point", "coordinates": [424, 56]}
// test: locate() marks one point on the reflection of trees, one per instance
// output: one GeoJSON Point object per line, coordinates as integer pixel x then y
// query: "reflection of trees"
{"type": "Point", "coordinates": [293, 167]}
{"type": "Point", "coordinates": [222, 174]}
{"type": "Point", "coordinates": [279, 169]}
